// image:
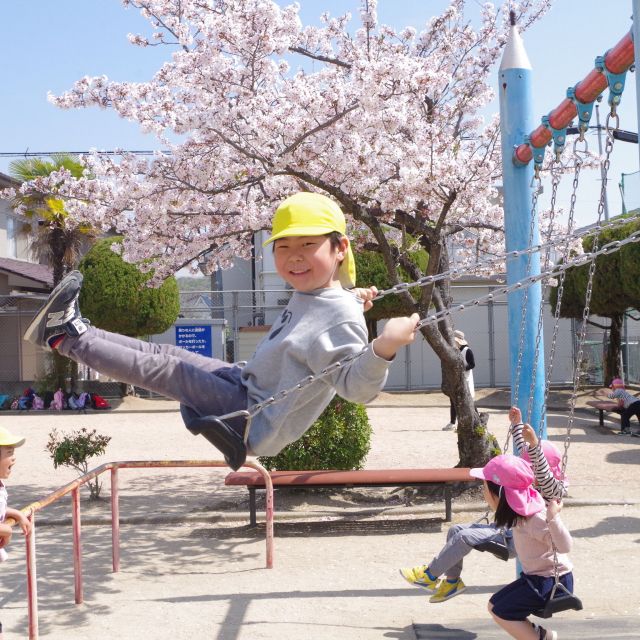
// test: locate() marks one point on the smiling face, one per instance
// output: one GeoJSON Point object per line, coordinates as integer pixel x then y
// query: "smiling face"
{"type": "Point", "coordinates": [7, 460]}
{"type": "Point", "coordinates": [309, 262]}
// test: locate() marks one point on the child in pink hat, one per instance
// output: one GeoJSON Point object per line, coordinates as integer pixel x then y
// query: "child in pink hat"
{"type": "Point", "coordinates": [536, 526]}
{"type": "Point", "coordinates": [463, 538]}
{"type": "Point", "coordinates": [628, 403]}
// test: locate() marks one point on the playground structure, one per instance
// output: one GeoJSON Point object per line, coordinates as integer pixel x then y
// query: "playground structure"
{"type": "Point", "coordinates": [614, 64]}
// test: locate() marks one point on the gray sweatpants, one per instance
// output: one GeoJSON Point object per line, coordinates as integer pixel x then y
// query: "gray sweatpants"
{"type": "Point", "coordinates": [461, 539]}
{"type": "Point", "coordinates": [207, 385]}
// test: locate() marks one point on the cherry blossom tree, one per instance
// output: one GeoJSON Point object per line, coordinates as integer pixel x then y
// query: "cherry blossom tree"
{"type": "Point", "coordinates": [253, 105]}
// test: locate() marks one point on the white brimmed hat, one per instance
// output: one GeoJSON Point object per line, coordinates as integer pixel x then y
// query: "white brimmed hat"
{"type": "Point", "coordinates": [458, 336]}
{"type": "Point", "coordinates": [7, 439]}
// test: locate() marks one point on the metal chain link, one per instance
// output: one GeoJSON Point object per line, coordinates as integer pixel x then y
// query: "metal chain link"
{"type": "Point", "coordinates": [556, 175]}
{"type": "Point", "coordinates": [592, 268]}
{"type": "Point", "coordinates": [525, 296]}
{"type": "Point", "coordinates": [560, 289]}
{"type": "Point", "coordinates": [455, 273]}
{"type": "Point", "coordinates": [607, 249]}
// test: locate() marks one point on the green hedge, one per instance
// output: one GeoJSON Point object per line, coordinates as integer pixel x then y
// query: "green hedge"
{"type": "Point", "coordinates": [339, 439]}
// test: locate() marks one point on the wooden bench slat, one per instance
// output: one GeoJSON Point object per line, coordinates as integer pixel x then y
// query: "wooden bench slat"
{"type": "Point", "coordinates": [605, 405]}
{"type": "Point", "coordinates": [362, 477]}
{"type": "Point", "coordinates": [346, 479]}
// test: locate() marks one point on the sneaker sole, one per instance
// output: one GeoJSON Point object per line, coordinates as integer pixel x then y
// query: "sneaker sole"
{"type": "Point", "coordinates": [33, 333]}
{"type": "Point", "coordinates": [424, 587]}
{"type": "Point", "coordinates": [452, 595]}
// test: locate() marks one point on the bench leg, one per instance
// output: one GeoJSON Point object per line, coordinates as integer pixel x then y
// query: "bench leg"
{"type": "Point", "coordinates": [602, 417]}
{"type": "Point", "coordinates": [447, 503]}
{"type": "Point", "coordinates": [253, 521]}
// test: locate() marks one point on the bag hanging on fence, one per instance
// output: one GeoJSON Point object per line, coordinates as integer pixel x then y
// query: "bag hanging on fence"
{"type": "Point", "coordinates": [47, 398]}
{"type": "Point", "coordinates": [83, 400]}
{"type": "Point", "coordinates": [98, 402]}
{"type": "Point", "coordinates": [5, 402]}
{"type": "Point", "coordinates": [57, 404]}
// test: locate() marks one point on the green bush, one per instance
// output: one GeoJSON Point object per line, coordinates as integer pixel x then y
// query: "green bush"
{"type": "Point", "coordinates": [74, 450]}
{"type": "Point", "coordinates": [115, 295]}
{"type": "Point", "coordinates": [339, 439]}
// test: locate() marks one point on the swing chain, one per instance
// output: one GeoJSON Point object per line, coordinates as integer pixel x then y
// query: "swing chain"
{"type": "Point", "coordinates": [556, 176]}
{"type": "Point", "coordinates": [537, 189]}
{"type": "Point", "coordinates": [432, 319]}
{"type": "Point", "coordinates": [560, 292]}
{"type": "Point", "coordinates": [455, 272]}
{"type": "Point", "coordinates": [589, 290]}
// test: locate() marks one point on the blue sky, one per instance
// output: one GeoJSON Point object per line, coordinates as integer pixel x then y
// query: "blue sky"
{"type": "Point", "coordinates": [52, 44]}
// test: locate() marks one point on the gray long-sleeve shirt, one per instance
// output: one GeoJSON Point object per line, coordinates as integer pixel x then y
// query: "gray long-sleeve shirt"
{"type": "Point", "coordinates": [315, 330]}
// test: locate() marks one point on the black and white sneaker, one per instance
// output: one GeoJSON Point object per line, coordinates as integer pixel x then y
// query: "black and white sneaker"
{"type": "Point", "coordinates": [59, 316]}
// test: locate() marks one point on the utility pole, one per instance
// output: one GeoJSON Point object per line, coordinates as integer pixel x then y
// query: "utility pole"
{"type": "Point", "coordinates": [636, 47]}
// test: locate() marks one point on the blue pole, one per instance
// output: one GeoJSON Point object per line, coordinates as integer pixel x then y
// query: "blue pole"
{"type": "Point", "coordinates": [515, 123]}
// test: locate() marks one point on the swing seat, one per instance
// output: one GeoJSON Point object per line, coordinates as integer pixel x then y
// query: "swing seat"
{"type": "Point", "coordinates": [563, 602]}
{"type": "Point", "coordinates": [498, 549]}
{"type": "Point", "coordinates": [219, 434]}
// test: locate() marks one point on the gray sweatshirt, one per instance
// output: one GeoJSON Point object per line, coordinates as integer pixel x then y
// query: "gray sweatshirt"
{"type": "Point", "coordinates": [315, 330]}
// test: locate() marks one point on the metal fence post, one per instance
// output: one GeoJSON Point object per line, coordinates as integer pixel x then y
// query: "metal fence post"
{"type": "Point", "coordinates": [77, 544]}
{"type": "Point", "coordinates": [115, 521]}
{"type": "Point", "coordinates": [32, 581]}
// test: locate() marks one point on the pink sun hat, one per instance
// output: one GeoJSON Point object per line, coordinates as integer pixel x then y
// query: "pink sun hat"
{"type": "Point", "coordinates": [553, 456]}
{"type": "Point", "coordinates": [516, 477]}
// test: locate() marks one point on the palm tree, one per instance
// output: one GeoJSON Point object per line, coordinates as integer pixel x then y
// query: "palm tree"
{"type": "Point", "coordinates": [55, 243]}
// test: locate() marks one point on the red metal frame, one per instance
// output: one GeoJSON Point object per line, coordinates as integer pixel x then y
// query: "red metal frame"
{"type": "Point", "coordinates": [74, 489]}
{"type": "Point", "coordinates": [616, 60]}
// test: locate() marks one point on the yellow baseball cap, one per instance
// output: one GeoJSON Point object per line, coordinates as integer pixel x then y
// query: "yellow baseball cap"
{"type": "Point", "coordinates": [7, 439]}
{"type": "Point", "coordinates": [312, 214]}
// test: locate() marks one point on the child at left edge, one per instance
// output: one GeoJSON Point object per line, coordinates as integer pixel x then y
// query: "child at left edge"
{"type": "Point", "coordinates": [8, 444]}
{"type": "Point", "coordinates": [537, 527]}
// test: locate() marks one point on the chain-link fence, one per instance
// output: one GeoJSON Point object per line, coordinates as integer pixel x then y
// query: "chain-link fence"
{"type": "Point", "coordinates": [630, 191]}
{"type": "Point", "coordinates": [248, 315]}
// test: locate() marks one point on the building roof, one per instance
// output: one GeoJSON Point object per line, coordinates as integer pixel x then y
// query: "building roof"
{"type": "Point", "coordinates": [39, 272]}
{"type": "Point", "coordinates": [8, 181]}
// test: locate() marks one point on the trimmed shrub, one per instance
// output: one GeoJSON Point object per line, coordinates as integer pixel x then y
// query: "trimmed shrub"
{"type": "Point", "coordinates": [74, 450]}
{"type": "Point", "coordinates": [339, 439]}
{"type": "Point", "coordinates": [115, 295]}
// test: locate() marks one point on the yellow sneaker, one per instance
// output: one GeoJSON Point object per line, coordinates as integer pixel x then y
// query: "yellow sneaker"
{"type": "Point", "coordinates": [417, 576]}
{"type": "Point", "coordinates": [447, 590]}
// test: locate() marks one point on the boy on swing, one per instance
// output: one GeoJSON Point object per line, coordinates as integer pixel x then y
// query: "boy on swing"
{"type": "Point", "coordinates": [322, 324]}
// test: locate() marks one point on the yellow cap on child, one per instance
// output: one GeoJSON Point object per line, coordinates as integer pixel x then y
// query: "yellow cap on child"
{"type": "Point", "coordinates": [7, 439]}
{"type": "Point", "coordinates": [312, 214]}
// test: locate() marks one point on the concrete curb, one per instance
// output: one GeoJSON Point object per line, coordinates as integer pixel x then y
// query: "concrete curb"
{"type": "Point", "coordinates": [313, 516]}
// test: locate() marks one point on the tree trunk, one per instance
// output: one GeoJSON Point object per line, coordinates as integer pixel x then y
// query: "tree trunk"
{"type": "Point", "coordinates": [612, 360]}
{"type": "Point", "coordinates": [475, 444]}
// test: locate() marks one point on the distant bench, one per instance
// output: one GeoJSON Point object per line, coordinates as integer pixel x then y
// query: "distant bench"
{"type": "Point", "coordinates": [444, 478]}
{"type": "Point", "coordinates": [604, 405]}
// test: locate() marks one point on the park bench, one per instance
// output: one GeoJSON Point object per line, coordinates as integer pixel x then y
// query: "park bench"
{"type": "Point", "coordinates": [604, 405]}
{"type": "Point", "coordinates": [444, 478]}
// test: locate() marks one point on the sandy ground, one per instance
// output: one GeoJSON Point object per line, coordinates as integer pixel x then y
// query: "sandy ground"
{"type": "Point", "coordinates": [337, 554]}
